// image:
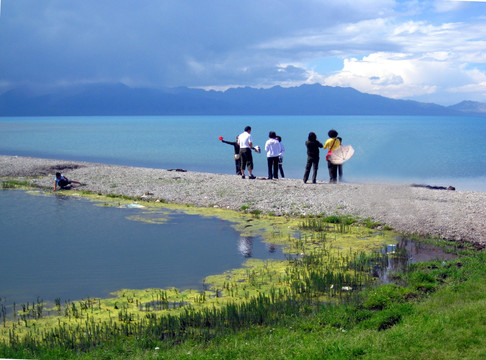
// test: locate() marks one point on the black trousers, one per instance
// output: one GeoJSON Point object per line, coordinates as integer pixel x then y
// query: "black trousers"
{"type": "Point", "coordinates": [272, 167]}
{"type": "Point", "coordinates": [238, 166]}
{"type": "Point", "coordinates": [311, 162]}
{"type": "Point", "coordinates": [280, 167]}
{"type": "Point", "coordinates": [333, 170]}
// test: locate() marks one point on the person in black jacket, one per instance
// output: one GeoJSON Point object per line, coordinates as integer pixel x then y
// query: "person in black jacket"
{"type": "Point", "coordinates": [313, 146]}
{"type": "Point", "coordinates": [237, 153]}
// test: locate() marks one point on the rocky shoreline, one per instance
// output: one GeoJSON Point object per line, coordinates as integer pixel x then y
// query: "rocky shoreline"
{"type": "Point", "coordinates": [452, 215]}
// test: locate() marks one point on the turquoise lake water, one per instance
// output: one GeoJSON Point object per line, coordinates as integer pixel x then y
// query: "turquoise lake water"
{"type": "Point", "coordinates": [408, 149]}
{"type": "Point", "coordinates": [53, 246]}
{"type": "Point", "coordinates": [56, 246]}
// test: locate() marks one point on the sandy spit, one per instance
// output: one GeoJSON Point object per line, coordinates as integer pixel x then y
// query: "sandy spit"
{"type": "Point", "coordinates": [452, 215]}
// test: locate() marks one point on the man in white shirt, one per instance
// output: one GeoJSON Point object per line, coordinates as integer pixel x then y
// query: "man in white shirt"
{"type": "Point", "coordinates": [246, 144]}
{"type": "Point", "coordinates": [273, 149]}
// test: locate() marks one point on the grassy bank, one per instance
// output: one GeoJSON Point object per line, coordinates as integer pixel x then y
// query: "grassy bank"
{"type": "Point", "coordinates": [437, 312]}
{"type": "Point", "coordinates": [323, 302]}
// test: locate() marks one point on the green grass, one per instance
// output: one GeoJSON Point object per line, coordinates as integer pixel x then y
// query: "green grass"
{"type": "Point", "coordinates": [436, 313]}
{"type": "Point", "coordinates": [123, 197]}
{"type": "Point", "coordinates": [15, 184]}
{"type": "Point", "coordinates": [369, 223]}
{"type": "Point", "coordinates": [439, 314]}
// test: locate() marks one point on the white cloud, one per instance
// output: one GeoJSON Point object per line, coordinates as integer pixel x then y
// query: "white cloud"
{"type": "Point", "coordinates": [446, 5]}
{"type": "Point", "coordinates": [405, 76]}
{"type": "Point", "coordinates": [412, 59]}
{"type": "Point", "coordinates": [394, 48]}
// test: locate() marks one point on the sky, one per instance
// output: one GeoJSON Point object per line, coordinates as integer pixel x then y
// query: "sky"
{"type": "Point", "coordinates": [429, 51]}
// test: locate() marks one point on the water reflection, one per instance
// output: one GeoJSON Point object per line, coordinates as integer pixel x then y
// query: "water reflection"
{"type": "Point", "coordinates": [397, 257]}
{"type": "Point", "coordinates": [76, 250]}
{"type": "Point", "coordinates": [245, 244]}
{"type": "Point", "coordinates": [270, 248]}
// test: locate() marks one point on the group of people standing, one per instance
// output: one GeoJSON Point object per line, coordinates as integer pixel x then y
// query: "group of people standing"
{"type": "Point", "coordinates": [244, 158]}
{"type": "Point", "coordinates": [313, 146]}
{"type": "Point", "coordinates": [275, 151]}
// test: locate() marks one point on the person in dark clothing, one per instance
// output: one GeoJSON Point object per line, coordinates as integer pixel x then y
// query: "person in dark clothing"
{"type": "Point", "coordinates": [280, 157]}
{"type": "Point", "coordinates": [237, 154]}
{"type": "Point", "coordinates": [313, 146]}
{"type": "Point", "coordinates": [332, 144]}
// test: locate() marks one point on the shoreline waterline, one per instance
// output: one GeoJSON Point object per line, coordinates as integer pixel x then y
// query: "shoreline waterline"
{"type": "Point", "coordinates": [382, 144]}
{"type": "Point", "coordinates": [450, 215]}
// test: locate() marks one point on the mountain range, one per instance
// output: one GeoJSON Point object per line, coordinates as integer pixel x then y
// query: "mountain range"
{"type": "Point", "coordinates": [119, 99]}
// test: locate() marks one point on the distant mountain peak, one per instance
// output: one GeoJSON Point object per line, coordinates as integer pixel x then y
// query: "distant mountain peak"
{"type": "Point", "coordinates": [306, 99]}
{"type": "Point", "coordinates": [469, 106]}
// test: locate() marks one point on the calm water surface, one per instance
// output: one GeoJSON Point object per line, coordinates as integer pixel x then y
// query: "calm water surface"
{"type": "Point", "coordinates": [56, 246]}
{"type": "Point", "coordinates": [407, 149]}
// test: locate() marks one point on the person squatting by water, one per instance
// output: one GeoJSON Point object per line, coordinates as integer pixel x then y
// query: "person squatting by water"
{"type": "Point", "coordinates": [237, 153]}
{"type": "Point", "coordinates": [273, 149]}
{"type": "Point", "coordinates": [63, 181]}
{"type": "Point", "coordinates": [332, 144]}
{"type": "Point", "coordinates": [246, 144]}
{"type": "Point", "coordinates": [280, 156]}
{"type": "Point", "coordinates": [313, 146]}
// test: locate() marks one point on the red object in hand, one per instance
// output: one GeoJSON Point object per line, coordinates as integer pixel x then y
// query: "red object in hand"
{"type": "Point", "coordinates": [220, 138]}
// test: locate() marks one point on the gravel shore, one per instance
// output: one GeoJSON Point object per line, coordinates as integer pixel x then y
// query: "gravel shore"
{"type": "Point", "coordinates": [452, 215]}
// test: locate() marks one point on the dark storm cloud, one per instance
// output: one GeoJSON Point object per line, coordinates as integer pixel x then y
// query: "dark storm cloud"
{"type": "Point", "coordinates": [159, 43]}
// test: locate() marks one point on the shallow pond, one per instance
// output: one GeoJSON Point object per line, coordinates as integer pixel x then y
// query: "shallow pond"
{"type": "Point", "coordinates": [406, 252]}
{"type": "Point", "coordinates": [64, 247]}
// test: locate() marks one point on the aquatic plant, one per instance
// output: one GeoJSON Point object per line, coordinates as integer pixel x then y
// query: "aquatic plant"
{"type": "Point", "coordinates": [3, 311]}
{"type": "Point", "coordinates": [317, 271]}
{"type": "Point", "coordinates": [307, 280]}
{"type": "Point", "coordinates": [369, 223]}
{"type": "Point", "coordinates": [256, 212]}
{"type": "Point", "coordinates": [417, 320]}
{"type": "Point", "coordinates": [338, 223]}
{"type": "Point", "coordinates": [14, 184]}
{"type": "Point", "coordinates": [341, 219]}
{"type": "Point", "coordinates": [123, 197]}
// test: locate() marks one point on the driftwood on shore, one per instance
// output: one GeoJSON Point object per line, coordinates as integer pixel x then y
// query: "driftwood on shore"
{"type": "Point", "coordinates": [434, 187]}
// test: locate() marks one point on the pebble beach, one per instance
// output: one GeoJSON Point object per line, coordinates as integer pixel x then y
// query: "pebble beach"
{"type": "Point", "coordinates": [451, 215]}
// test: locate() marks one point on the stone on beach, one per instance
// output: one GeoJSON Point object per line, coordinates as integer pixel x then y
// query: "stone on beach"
{"type": "Point", "coordinates": [452, 215]}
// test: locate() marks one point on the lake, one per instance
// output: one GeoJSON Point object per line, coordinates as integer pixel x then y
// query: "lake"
{"type": "Point", "coordinates": [58, 246]}
{"type": "Point", "coordinates": [407, 149]}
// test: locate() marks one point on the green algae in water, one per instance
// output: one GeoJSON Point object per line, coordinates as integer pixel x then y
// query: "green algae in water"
{"type": "Point", "coordinates": [320, 267]}
{"type": "Point", "coordinates": [254, 280]}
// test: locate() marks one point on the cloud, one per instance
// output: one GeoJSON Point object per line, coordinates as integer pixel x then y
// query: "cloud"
{"type": "Point", "coordinates": [158, 42]}
{"type": "Point", "coordinates": [384, 46]}
{"type": "Point", "coordinates": [417, 59]}
{"type": "Point", "coordinates": [389, 74]}
{"type": "Point", "coordinates": [399, 76]}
